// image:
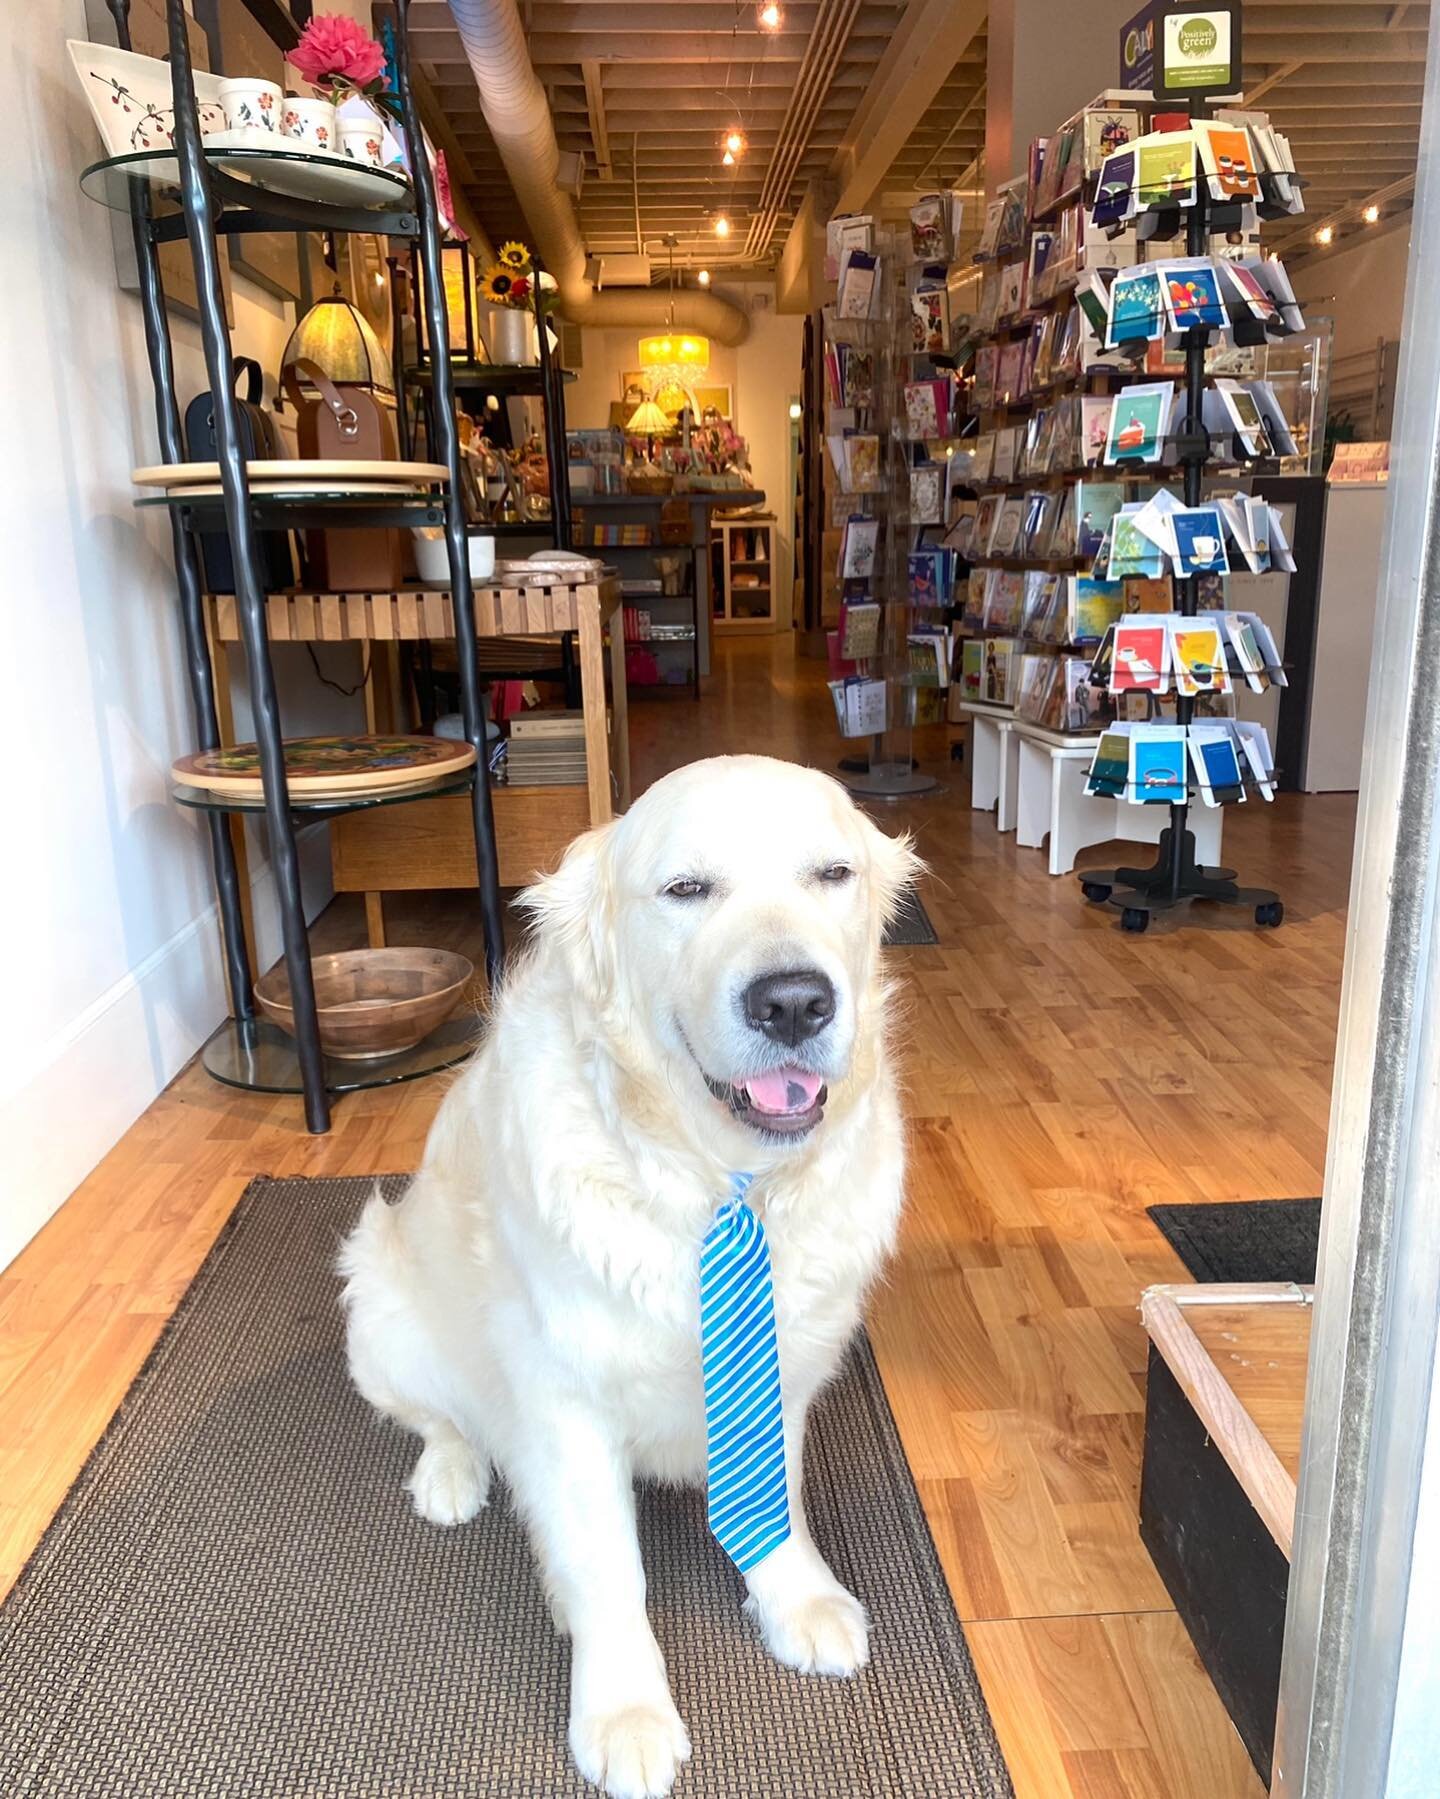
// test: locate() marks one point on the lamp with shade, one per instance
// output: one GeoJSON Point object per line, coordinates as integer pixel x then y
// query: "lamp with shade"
{"type": "Point", "coordinates": [340, 342]}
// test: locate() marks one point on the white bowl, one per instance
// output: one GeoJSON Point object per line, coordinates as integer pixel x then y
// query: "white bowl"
{"type": "Point", "coordinates": [432, 560]}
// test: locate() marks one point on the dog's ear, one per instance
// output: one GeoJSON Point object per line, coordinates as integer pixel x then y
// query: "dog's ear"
{"type": "Point", "coordinates": [894, 868]}
{"type": "Point", "coordinates": [572, 910]}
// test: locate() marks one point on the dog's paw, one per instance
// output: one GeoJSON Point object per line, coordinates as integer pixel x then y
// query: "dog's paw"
{"type": "Point", "coordinates": [448, 1484]}
{"type": "Point", "coordinates": [632, 1754]}
{"type": "Point", "coordinates": [826, 1633]}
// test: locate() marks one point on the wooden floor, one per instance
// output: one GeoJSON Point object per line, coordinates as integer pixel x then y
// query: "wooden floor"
{"type": "Point", "coordinates": [1061, 1077]}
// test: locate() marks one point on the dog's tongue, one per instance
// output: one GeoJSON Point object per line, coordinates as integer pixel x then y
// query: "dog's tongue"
{"type": "Point", "coordinates": [783, 1090]}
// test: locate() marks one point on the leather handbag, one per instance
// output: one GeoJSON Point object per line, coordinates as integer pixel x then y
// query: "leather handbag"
{"type": "Point", "coordinates": [347, 424]}
{"type": "Point", "coordinates": [260, 438]}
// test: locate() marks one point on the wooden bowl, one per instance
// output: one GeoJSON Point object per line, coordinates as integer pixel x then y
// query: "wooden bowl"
{"type": "Point", "coordinates": [372, 1002]}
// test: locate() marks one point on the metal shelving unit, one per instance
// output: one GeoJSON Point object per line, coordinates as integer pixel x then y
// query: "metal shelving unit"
{"type": "Point", "coordinates": [193, 199]}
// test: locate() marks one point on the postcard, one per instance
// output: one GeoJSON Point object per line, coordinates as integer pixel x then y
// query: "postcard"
{"type": "Point", "coordinates": [1199, 541]}
{"type": "Point", "coordinates": [1137, 309]}
{"type": "Point", "coordinates": [1198, 657]}
{"type": "Point", "coordinates": [1192, 295]}
{"type": "Point", "coordinates": [1228, 159]}
{"type": "Point", "coordinates": [1115, 189]}
{"type": "Point", "coordinates": [1096, 503]}
{"type": "Point", "coordinates": [1110, 771]}
{"type": "Point", "coordinates": [1165, 169]}
{"type": "Point", "coordinates": [857, 557]}
{"type": "Point", "coordinates": [1157, 765]}
{"type": "Point", "coordinates": [1141, 657]}
{"type": "Point", "coordinates": [1092, 608]}
{"type": "Point", "coordinates": [1131, 552]}
{"type": "Point", "coordinates": [1139, 420]}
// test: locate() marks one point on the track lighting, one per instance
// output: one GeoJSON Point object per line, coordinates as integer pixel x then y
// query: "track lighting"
{"type": "Point", "coordinates": [722, 226]}
{"type": "Point", "coordinates": [1371, 215]}
{"type": "Point", "coordinates": [703, 277]}
{"type": "Point", "coordinates": [735, 143]}
{"type": "Point", "coordinates": [1325, 235]}
{"type": "Point", "coordinates": [769, 16]}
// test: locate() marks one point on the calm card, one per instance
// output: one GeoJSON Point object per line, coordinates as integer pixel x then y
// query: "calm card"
{"type": "Point", "coordinates": [1199, 541]}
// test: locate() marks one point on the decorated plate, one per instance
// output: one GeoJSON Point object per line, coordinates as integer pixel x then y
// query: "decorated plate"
{"type": "Point", "coordinates": [328, 767]}
{"type": "Point", "coordinates": [294, 471]}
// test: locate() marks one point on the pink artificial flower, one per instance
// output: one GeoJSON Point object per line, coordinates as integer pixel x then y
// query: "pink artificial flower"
{"type": "Point", "coordinates": [332, 46]}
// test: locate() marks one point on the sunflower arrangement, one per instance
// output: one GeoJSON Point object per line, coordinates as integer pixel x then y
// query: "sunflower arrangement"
{"type": "Point", "coordinates": [511, 280]}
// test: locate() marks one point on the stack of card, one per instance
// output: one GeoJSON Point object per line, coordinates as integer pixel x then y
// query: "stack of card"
{"type": "Point", "coordinates": [1151, 763]}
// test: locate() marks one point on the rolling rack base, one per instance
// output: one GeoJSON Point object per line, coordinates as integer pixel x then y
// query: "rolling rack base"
{"type": "Point", "coordinates": [1137, 892]}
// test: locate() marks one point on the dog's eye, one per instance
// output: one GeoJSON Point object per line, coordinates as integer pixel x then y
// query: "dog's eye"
{"type": "Point", "coordinates": [686, 889]}
{"type": "Point", "coordinates": [836, 873]}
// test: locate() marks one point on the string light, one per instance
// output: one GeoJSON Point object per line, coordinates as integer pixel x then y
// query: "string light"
{"type": "Point", "coordinates": [1371, 215]}
{"type": "Point", "coordinates": [1325, 235]}
{"type": "Point", "coordinates": [770, 17]}
{"type": "Point", "coordinates": [703, 277]}
{"type": "Point", "coordinates": [722, 226]}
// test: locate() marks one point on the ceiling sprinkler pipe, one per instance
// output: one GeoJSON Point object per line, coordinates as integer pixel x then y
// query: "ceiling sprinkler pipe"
{"type": "Point", "coordinates": [518, 114]}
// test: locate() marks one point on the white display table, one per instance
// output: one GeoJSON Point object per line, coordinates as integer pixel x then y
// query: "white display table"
{"type": "Point", "coordinates": [1051, 801]}
{"type": "Point", "coordinates": [994, 760]}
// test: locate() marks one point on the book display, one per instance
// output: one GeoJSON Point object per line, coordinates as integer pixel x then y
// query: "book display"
{"type": "Point", "coordinates": [1106, 510]}
{"type": "Point", "coordinates": [889, 404]}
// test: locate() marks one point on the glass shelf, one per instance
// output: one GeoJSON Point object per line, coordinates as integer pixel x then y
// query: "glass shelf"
{"type": "Point", "coordinates": [261, 176]}
{"type": "Point", "coordinates": [201, 799]}
{"type": "Point", "coordinates": [498, 377]}
{"type": "Point", "coordinates": [293, 510]}
{"type": "Point", "coordinates": [260, 1057]}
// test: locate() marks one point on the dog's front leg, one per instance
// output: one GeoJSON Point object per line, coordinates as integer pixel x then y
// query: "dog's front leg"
{"type": "Point", "coordinates": [575, 1488]}
{"type": "Point", "coordinates": [808, 1620]}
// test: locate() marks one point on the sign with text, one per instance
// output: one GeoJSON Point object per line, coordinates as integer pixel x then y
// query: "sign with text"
{"type": "Point", "coordinates": [1137, 51]}
{"type": "Point", "coordinates": [1196, 50]}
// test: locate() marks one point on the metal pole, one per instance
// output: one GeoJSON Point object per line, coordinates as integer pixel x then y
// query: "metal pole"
{"type": "Point", "coordinates": [187, 575]}
{"type": "Point", "coordinates": [447, 443]}
{"type": "Point", "coordinates": [214, 332]}
{"type": "Point", "coordinates": [1357, 1708]}
{"type": "Point", "coordinates": [551, 403]}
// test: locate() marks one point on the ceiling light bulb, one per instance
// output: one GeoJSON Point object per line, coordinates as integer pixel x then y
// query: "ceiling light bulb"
{"type": "Point", "coordinates": [770, 16]}
{"type": "Point", "coordinates": [735, 143]}
{"type": "Point", "coordinates": [722, 226]}
{"type": "Point", "coordinates": [795, 409]}
{"type": "Point", "coordinates": [1371, 215]}
{"type": "Point", "coordinates": [1325, 235]}
{"type": "Point", "coordinates": [728, 160]}
{"type": "Point", "coordinates": [703, 277]}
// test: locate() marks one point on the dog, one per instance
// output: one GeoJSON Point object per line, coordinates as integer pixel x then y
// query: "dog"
{"type": "Point", "coordinates": [704, 996]}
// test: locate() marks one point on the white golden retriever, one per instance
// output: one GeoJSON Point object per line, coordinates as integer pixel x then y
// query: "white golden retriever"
{"type": "Point", "coordinates": [705, 996]}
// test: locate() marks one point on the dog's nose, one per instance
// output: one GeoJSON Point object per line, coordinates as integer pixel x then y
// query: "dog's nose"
{"type": "Point", "coordinates": [788, 1008]}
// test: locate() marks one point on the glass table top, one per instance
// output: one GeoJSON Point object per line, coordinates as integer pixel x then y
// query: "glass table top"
{"type": "Point", "coordinates": [259, 1056]}
{"type": "Point", "coordinates": [294, 174]}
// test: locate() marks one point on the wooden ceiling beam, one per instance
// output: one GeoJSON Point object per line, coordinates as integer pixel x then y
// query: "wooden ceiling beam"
{"type": "Point", "coordinates": [599, 132]}
{"type": "Point", "coordinates": [930, 40]}
{"type": "Point", "coordinates": [1397, 75]}
{"type": "Point", "coordinates": [656, 16]}
{"type": "Point", "coordinates": [1257, 90]}
{"type": "Point", "coordinates": [1267, 21]}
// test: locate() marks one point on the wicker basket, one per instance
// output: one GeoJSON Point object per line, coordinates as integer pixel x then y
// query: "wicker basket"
{"type": "Point", "coordinates": [644, 478]}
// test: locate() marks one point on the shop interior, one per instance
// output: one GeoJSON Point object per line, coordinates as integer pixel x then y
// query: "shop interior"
{"type": "Point", "coordinates": [862, 383]}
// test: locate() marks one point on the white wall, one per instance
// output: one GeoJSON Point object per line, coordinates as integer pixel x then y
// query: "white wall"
{"type": "Point", "coordinates": [112, 971]}
{"type": "Point", "coordinates": [1362, 287]}
{"type": "Point", "coordinates": [763, 374]}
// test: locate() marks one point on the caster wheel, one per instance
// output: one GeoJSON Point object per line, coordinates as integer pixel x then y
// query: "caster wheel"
{"type": "Point", "coordinates": [1133, 919]}
{"type": "Point", "coordinates": [1271, 914]}
{"type": "Point", "coordinates": [957, 752]}
{"type": "Point", "coordinates": [1095, 890]}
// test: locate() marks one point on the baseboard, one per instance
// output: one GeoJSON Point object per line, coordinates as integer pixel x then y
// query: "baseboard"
{"type": "Point", "coordinates": [96, 1077]}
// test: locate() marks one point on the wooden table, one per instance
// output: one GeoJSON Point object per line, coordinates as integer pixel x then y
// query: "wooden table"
{"type": "Point", "coordinates": [430, 843]}
{"type": "Point", "coordinates": [1225, 1402]}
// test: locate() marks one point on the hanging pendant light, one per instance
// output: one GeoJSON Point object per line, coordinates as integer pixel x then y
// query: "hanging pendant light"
{"type": "Point", "coordinates": [672, 358]}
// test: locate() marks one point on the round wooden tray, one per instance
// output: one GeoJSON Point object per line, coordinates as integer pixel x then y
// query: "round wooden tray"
{"type": "Point", "coordinates": [294, 471]}
{"type": "Point", "coordinates": [328, 767]}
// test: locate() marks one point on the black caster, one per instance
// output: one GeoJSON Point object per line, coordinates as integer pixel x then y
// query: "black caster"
{"type": "Point", "coordinates": [1096, 890]}
{"type": "Point", "coordinates": [957, 752]}
{"type": "Point", "coordinates": [1133, 919]}
{"type": "Point", "coordinates": [1271, 913]}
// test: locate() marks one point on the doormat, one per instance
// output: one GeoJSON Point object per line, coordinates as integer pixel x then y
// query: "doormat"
{"type": "Point", "coordinates": [1246, 1239]}
{"type": "Point", "coordinates": [235, 1598]}
{"type": "Point", "coordinates": [911, 924]}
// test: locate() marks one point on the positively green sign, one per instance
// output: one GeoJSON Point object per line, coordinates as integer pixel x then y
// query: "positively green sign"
{"type": "Point", "coordinates": [1196, 52]}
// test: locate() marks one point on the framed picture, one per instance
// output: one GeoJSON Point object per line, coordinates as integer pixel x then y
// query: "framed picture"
{"type": "Point", "coordinates": [717, 398]}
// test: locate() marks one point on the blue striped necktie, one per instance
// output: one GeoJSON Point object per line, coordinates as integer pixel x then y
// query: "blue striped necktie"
{"type": "Point", "coordinates": [748, 1506]}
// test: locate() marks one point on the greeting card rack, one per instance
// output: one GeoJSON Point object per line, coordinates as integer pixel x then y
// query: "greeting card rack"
{"type": "Point", "coordinates": [888, 770]}
{"type": "Point", "coordinates": [246, 1051]}
{"type": "Point", "coordinates": [1175, 877]}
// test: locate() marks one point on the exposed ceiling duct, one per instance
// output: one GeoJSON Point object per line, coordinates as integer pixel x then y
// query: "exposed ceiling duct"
{"type": "Point", "coordinates": [518, 114]}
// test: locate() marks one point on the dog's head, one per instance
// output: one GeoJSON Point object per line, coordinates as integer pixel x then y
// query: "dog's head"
{"type": "Point", "coordinates": [726, 932]}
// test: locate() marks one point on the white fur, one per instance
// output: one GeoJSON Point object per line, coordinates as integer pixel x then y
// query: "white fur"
{"type": "Point", "coordinates": [533, 1301]}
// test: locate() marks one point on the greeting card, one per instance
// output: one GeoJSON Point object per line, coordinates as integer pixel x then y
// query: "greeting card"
{"type": "Point", "coordinates": [1141, 660]}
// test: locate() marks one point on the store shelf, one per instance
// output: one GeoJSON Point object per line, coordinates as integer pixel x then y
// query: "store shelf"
{"type": "Point", "coordinates": [261, 1058]}
{"type": "Point", "coordinates": [492, 377]}
{"type": "Point", "coordinates": [261, 190]}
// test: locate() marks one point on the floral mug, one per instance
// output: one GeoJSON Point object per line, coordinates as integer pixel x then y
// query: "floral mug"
{"type": "Point", "coordinates": [311, 123]}
{"type": "Point", "coordinates": [251, 104]}
{"type": "Point", "coordinates": [362, 140]}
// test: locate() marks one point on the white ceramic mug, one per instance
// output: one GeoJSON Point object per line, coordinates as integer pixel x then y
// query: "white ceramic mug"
{"type": "Point", "coordinates": [250, 103]}
{"type": "Point", "coordinates": [311, 124]}
{"type": "Point", "coordinates": [362, 140]}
